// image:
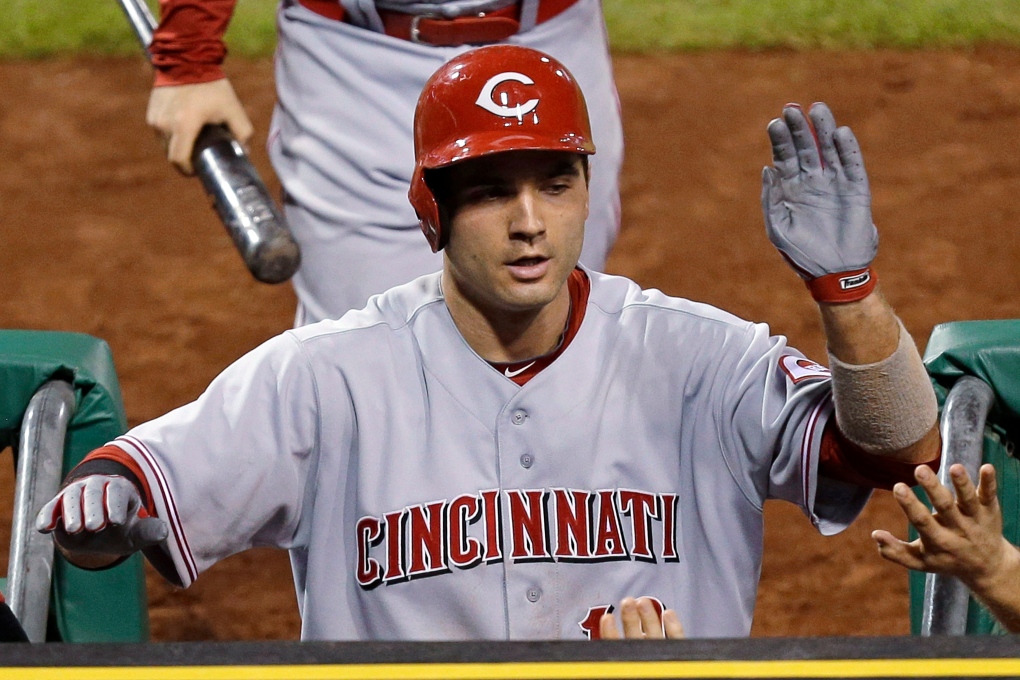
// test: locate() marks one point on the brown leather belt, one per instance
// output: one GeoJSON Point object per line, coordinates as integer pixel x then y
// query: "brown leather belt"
{"type": "Point", "coordinates": [477, 29]}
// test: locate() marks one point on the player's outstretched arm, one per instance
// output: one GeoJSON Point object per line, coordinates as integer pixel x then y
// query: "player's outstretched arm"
{"type": "Point", "coordinates": [641, 621]}
{"type": "Point", "coordinates": [817, 205]}
{"type": "Point", "coordinates": [963, 538]}
{"type": "Point", "coordinates": [99, 519]}
{"type": "Point", "coordinates": [178, 112]}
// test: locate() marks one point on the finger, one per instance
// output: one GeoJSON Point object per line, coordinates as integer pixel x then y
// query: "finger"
{"type": "Point", "coordinates": [966, 493]}
{"type": "Point", "coordinates": [671, 622]}
{"type": "Point", "coordinates": [182, 143]}
{"type": "Point", "coordinates": [942, 499]}
{"type": "Point", "coordinates": [651, 624]}
{"type": "Point", "coordinates": [631, 619]}
{"type": "Point", "coordinates": [148, 531]}
{"type": "Point", "coordinates": [71, 509]}
{"type": "Point", "coordinates": [49, 515]}
{"type": "Point", "coordinates": [240, 126]}
{"type": "Point", "coordinates": [915, 510]}
{"type": "Point", "coordinates": [988, 486]}
{"type": "Point", "coordinates": [784, 153]}
{"type": "Point", "coordinates": [118, 501]}
{"type": "Point", "coordinates": [607, 628]}
{"type": "Point", "coordinates": [805, 140]}
{"type": "Point", "coordinates": [905, 554]}
{"type": "Point", "coordinates": [94, 503]}
{"type": "Point", "coordinates": [825, 128]}
{"type": "Point", "coordinates": [850, 155]}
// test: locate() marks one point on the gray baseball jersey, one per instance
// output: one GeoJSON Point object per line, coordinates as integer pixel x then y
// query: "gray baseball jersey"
{"type": "Point", "coordinates": [341, 144]}
{"type": "Point", "coordinates": [425, 495]}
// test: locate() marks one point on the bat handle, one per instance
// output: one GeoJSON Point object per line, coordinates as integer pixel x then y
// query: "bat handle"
{"type": "Point", "coordinates": [240, 198]}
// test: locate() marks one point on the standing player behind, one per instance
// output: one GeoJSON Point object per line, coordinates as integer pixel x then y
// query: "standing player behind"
{"type": "Point", "coordinates": [348, 75]}
{"type": "Point", "coordinates": [506, 448]}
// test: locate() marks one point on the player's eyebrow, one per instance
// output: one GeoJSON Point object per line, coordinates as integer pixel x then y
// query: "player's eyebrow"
{"type": "Point", "coordinates": [564, 169]}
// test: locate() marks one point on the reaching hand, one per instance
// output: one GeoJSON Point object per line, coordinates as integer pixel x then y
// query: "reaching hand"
{"type": "Point", "coordinates": [179, 112]}
{"type": "Point", "coordinates": [817, 204]}
{"type": "Point", "coordinates": [963, 538]}
{"type": "Point", "coordinates": [641, 621]}
{"type": "Point", "coordinates": [100, 515]}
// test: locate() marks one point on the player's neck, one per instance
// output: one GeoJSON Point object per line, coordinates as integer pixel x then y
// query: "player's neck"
{"type": "Point", "coordinates": [505, 336]}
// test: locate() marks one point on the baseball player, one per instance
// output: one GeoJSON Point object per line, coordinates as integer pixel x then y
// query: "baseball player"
{"type": "Point", "coordinates": [506, 448]}
{"type": "Point", "coordinates": [963, 538]}
{"type": "Point", "coordinates": [348, 74]}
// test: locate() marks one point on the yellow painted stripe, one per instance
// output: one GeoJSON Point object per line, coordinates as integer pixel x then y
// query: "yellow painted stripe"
{"type": "Point", "coordinates": [840, 668]}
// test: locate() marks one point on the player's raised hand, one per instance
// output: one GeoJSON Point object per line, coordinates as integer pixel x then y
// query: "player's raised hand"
{"type": "Point", "coordinates": [100, 515]}
{"type": "Point", "coordinates": [641, 621]}
{"type": "Point", "coordinates": [179, 112]}
{"type": "Point", "coordinates": [817, 203]}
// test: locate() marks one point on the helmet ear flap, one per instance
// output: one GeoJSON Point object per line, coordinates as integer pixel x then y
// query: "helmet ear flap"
{"type": "Point", "coordinates": [427, 209]}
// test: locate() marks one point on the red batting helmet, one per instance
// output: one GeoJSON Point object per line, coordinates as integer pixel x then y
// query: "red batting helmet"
{"type": "Point", "coordinates": [488, 100]}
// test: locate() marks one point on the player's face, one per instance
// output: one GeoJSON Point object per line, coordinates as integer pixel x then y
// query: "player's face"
{"type": "Point", "coordinates": [516, 227]}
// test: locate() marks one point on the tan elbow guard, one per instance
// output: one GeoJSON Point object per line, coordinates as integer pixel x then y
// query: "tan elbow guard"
{"type": "Point", "coordinates": [887, 405]}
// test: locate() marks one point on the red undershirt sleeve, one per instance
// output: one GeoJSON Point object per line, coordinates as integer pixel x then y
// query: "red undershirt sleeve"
{"type": "Point", "coordinates": [841, 460]}
{"type": "Point", "coordinates": [187, 46]}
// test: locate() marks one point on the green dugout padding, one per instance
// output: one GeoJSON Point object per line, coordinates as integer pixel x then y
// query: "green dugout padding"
{"type": "Point", "coordinates": [989, 350]}
{"type": "Point", "coordinates": [88, 606]}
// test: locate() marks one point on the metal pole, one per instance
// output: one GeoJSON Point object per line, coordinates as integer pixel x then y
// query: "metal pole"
{"type": "Point", "coordinates": [40, 459]}
{"type": "Point", "coordinates": [963, 430]}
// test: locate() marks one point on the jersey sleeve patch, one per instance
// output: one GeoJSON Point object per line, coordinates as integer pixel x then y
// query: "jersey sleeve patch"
{"type": "Point", "coordinates": [798, 369]}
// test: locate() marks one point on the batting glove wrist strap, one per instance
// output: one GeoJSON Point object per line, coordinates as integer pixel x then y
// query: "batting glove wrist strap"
{"type": "Point", "coordinates": [843, 287]}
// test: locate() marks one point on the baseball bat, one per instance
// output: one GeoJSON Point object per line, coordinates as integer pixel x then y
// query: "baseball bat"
{"type": "Point", "coordinates": [240, 198]}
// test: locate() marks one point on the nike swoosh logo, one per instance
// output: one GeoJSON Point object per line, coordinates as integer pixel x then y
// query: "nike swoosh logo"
{"type": "Point", "coordinates": [513, 374]}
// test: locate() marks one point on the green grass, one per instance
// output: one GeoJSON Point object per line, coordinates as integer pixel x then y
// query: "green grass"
{"type": "Point", "coordinates": [38, 28]}
{"type": "Point", "coordinates": [830, 24]}
{"type": "Point", "coordinates": [35, 28]}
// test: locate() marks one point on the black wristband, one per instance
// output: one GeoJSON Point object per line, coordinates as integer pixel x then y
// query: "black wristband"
{"type": "Point", "coordinates": [104, 466]}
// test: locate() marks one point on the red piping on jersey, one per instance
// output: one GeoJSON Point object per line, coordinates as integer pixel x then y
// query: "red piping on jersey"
{"type": "Point", "coordinates": [174, 517]}
{"type": "Point", "coordinates": [809, 435]}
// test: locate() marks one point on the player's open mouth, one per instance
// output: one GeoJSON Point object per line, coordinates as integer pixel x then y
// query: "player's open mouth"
{"type": "Point", "coordinates": [529, 268]}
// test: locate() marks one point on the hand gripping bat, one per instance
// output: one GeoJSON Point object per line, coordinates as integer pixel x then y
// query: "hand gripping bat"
{"type": "Point", "coordinates": [240, 198]}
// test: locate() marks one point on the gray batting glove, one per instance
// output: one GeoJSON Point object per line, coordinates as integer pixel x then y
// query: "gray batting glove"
{"type": "Point", "coordinates": [817, 204]}
{"type": "Point", "coordinates": [100, 515]}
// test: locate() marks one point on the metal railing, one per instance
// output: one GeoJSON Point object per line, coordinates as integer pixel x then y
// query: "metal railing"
{"type": "Point", "coordinates": [963, 430]}
{"type": "Point", "coordinates": [40, 459]}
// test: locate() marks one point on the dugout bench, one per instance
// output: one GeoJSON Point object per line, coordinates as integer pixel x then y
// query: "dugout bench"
{"type": "Point", "coordinates": [59, 399]}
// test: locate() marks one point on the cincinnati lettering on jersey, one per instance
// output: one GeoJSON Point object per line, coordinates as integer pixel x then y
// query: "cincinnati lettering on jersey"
{"type": "Point", "coordinates": [522, 525]}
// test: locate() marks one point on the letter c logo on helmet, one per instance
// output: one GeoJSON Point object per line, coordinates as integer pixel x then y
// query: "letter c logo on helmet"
{"type": "Point", "coordinates": [486, 101]}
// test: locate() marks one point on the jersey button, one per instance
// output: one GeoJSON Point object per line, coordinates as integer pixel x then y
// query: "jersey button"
{"type": "Point", "coordinates": [534, 594]}
{"type": "Point", "coordinates": [520, 417]}
{"type": "Point", "coordinates": [527, 461]}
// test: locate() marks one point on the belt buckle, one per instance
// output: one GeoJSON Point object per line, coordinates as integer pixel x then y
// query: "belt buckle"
{"type": "Point", "coordinates": [415, 20]}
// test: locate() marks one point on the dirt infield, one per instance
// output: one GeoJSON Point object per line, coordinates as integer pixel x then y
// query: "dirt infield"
{"type": "Point", "coordinates": [100, 236]}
